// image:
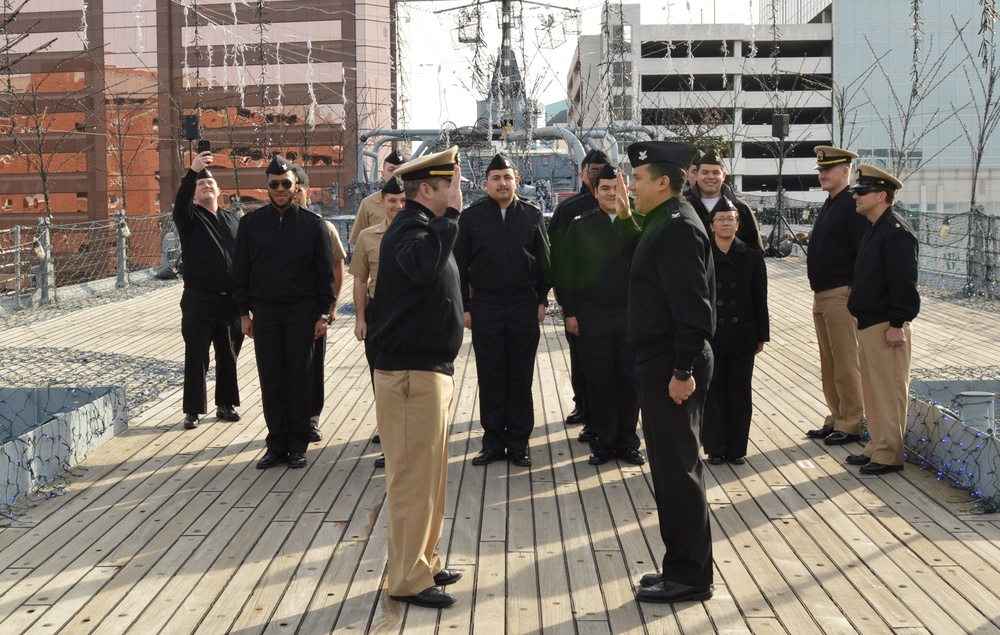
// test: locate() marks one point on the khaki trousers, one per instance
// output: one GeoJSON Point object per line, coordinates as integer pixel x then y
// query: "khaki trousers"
{"type": "Point", "coordinates": [411, 408]}
{"type": "Point", "coordinates": [840, 370]}
{"type": "Point", "coordinates": [887, 392]}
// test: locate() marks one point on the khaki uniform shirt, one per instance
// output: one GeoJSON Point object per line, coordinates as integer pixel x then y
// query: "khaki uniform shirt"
{"type": "Point", "coordinates": [364, 264]}
{"type": "Point", "coordinates": [338, 245]}
{"type": "Point", "coordinates": [369, 213]}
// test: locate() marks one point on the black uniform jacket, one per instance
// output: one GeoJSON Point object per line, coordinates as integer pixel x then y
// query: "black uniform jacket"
{"type": "Point", "coordinates": [834, 242]}
{"type": "Point", "coordinates": [741, 316]}
{"type": "Point", "coordinates": [283, 261]}
{"type": "Point", "coordinates": [748, 231]}
{"type": "Point", "coordinates": [502, 260]}
{"type": "Point", "coordinates": [564, 214]}
{"type": "Point", "coordinates": [207, 240]}
{"type": "Point", "coordinates": [417, 302]}
{"type": "Point", "coordinates": [671, 295]}
{"type": "Point", "coordinates": [885, 274]}
{"type": "Point", "coordinates": [595, 270]}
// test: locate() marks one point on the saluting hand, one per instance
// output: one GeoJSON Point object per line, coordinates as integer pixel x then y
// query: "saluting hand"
{"type": "Point", "coordinates": [455, 190]}
{"type": "Point", "coordinates": [621, 200]}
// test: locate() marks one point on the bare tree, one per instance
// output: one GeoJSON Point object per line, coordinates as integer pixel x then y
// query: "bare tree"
{"type": "Point", "coordinates": [905, 122]}
{"type": "Point", "coordinates": [985, 112]}
{"type": "Point", "coordinates": [46, 114]}
{"type": "Point", "coordinates": [129, 110]}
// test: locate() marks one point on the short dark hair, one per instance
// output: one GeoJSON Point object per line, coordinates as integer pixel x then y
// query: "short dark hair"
{"type": "Point", "coordinates": [890, 195]}
{"type": "Point", "coordinates": [676, 174]}
{"type": "Point", "coordinates": [411, 188]}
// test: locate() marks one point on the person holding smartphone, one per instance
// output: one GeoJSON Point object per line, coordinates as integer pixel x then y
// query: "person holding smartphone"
{"type": "Point", "coordinates": [209, 318]}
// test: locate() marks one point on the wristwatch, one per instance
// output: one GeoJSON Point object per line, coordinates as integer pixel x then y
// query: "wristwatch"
{"type": "Point", "coordinates": [682, 375]}
{"type": "Point", "coordinates": [325, 317]}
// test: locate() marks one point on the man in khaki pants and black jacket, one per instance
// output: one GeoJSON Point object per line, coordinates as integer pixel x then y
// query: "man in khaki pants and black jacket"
{"type": "Point", "coordinates": [885, 300]}
{"type": "Point", "coordinates": [419, 311]}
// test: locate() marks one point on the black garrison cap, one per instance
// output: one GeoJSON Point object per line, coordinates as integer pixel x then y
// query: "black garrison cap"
{"type": "Point", "coordinates": [500, 162]}
{"type": "Point", "coordinates": [609, 171]}
{"type": "Point", "coordinates": [392, 186]}
{"type": "Point", "coordinates": [395, 158]}
{"type": "Point", "coordinates": [279, 165]}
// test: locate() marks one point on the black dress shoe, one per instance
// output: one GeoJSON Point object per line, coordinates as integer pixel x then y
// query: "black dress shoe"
{"type": "Point", "coordinates": [666, 591]}
{"type": "Point", "coordinates": [737, 460]}
{"type": "Point", "coordinates": [650, 579]}
{"type": "Point", "coordinates": [431, 597]}
{"type": "Point", "coordinates": [485, 457]}
{"type": "Point", "coordinates": [296, 460]}
{"type": "Point", "coordinates": [820, 433]}
{"type": "Point", "coordinates": [841, 438]}
{"type": "Point", "coordinates": [587, 435]}
{"type": "Point", "coordinates": [600, 456]}
{"type": "Point", "coordinates": [880, 468]}
{"type": "Point", "coordinates": [632, 455]}
{"type": "Point", "coordinates": [575, 418]}
{"type": "Point", "coordinates": [520, 458]}
{"type": "Point", "coordinates": [270, 459]}
{"type": "Point", "coordinates": [376, 439]}
{"type": "Point", "coordinates": [315, 435]}
{"type": "Point", "coordinates": [858, 459]}
{"type": "Point", "coordinates": [380, 461]}
{"type": "Point", "coordinates": [715, 460]}
{"type": "Point", "coordinates": [227, 413]}
{"type": "Point", "coordinates": [190, 422]}
{"type": "Point", "coordinates": [444, 577]}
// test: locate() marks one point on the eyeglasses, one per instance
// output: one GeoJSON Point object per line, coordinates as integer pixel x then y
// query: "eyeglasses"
{"type": "Point", "coordinates": [725, 220]}
{"type": "Point", "coordinates": [285, 183]}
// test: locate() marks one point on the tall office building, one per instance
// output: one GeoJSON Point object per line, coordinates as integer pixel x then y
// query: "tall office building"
{"type": "Point", "coordinates": [923, 137]}
{"type": "Point", "coordinates": [711, 84]}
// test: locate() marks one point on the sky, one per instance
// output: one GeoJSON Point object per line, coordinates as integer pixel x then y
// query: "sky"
{"type": "Point", "coordinates": [440, 68]}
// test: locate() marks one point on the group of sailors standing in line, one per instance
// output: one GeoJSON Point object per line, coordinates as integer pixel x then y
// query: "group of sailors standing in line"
{"type": "Point", "coordinates": [664, 299]}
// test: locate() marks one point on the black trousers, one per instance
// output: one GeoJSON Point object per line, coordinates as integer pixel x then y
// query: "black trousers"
{"type": "Point", "coordinates": [284, 345]}
{"type": "Point", "coordinates": [505, 338]}
{"type": "Point", "coordinates": [209, 319]}
{"type": "Point", "coordinates": [319, 383]}
{"type": "Point", "coordinates": [609, 374]}
{"type": "Point", "coordinates": [576, 377]}
{"type": "Point", "coordinates": [672, 435]}
{"type": "Point", "coordinates": [729, 406]}
{"type": "Point", "coordinates": [371, 342]}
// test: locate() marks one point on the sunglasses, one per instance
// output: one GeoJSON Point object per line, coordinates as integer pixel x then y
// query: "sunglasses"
{"type": "Point", "coordinates": [863, 191]}
{"type": "Point", "coordinates": [285, 183]}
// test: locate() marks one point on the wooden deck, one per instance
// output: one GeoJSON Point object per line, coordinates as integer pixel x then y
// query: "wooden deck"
{"type": "Point", "coordinates": [173, 531]}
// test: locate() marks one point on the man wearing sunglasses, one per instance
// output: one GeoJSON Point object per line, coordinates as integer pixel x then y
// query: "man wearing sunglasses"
{"type": "Point", "coordinates": [884, 299]}
{"type": "Point", "coordinates": [283, 284]}
{"type": "Point", "coordinates": [833, 248]}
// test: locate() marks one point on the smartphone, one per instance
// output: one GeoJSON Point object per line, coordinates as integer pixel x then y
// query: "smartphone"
{"type": "Point", "coordinates": [204, 145]}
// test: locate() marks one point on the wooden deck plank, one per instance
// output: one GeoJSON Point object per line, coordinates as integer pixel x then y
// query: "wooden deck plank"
{"type": "Point", "coordinates": [197, 539]}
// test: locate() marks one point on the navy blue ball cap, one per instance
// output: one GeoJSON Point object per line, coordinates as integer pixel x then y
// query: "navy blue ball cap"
{"type": "Point", "coordinates": [204, 174]}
